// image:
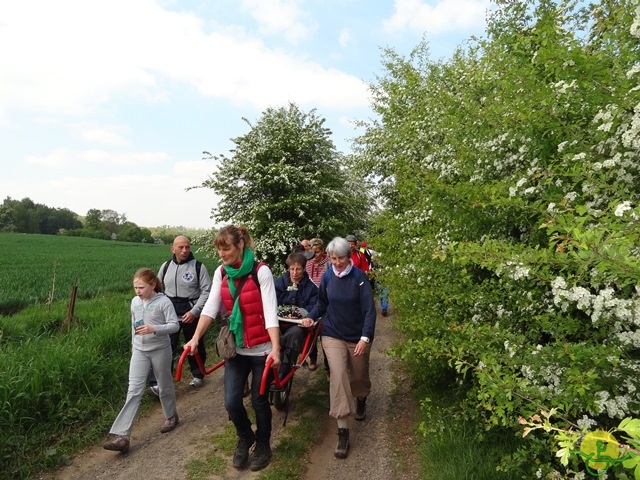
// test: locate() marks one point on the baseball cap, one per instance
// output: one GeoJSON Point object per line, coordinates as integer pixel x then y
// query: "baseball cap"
{"type": "Point", "coordinates": [351, 238]}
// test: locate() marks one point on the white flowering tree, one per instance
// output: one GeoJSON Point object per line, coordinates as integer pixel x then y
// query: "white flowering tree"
{"type": "Point", "coordinates": [511, 180]}
{"type": "Point", "coordinates": [284, 180]}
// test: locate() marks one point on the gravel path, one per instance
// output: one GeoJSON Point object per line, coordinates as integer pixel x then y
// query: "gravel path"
{"type": "Point", "coordinates": [382, 446]}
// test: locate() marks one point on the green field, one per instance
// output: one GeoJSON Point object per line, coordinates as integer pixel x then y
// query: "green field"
{"type": "Point", "coordinates": [62, 381]}
{"type": "Point", "coordinates": [34, 268]}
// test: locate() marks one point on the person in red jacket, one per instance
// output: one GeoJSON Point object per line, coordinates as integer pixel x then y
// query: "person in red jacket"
{"type": "Point", "coordinates": [253, 318]}
{"type": "Point", "coordinates": [359, 259]}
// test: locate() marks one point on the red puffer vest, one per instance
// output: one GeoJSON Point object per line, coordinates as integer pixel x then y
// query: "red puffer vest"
{"type": "Point", "coordinates": [254, 332]}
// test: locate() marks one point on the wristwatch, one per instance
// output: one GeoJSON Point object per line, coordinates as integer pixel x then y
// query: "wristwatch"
{"type": "Point", "coordinates": [365, 339]}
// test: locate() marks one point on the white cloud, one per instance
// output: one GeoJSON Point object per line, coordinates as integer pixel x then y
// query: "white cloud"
{"type": "Point", "coordinates": [280, 17]}
{"type": "Point", "coordinates": [75, 57]}
{"type": "Point", "coordinates": [107, 135]}
{"type": "Point", "coordinates": [345, 38]}
{"type": "Point", "coordinates": [444, 16]}
{"type": "Point", "coordinates": [57, 159]}
{"type": "Point", "coordinates": [128, 159]}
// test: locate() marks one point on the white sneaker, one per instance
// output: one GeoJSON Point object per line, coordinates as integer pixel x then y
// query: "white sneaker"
{"type": "Point", "coordinates": [196, 382]}
{"type": "Point", "coordinates": [154, 390]}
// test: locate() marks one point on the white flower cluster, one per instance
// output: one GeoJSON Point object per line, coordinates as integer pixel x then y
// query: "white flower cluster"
{"type": "Point", "coordinates": [602, 306]}
{"type": "Point", "coordinates": [564, 297]}
{"type": "Point", "coordinates": [562, 87]}
{"type": "Point", "coordinates": [631, 137]}
{"type": "Point", "coordinates": [586, 422]}
{"type": "Point", "coordinates": [510, 350]}
{"type": "Point", "coordinates": [616, 407]}
{"type": "Point", "coordinates": [513, 270]}
{"type": "Point", "coordinates": [621, 208]}
{"type": "Point", "coordinates": [635, 26]}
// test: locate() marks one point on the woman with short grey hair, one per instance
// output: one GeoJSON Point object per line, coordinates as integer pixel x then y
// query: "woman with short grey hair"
{"type": "Point", "coordinates": [348, 312]}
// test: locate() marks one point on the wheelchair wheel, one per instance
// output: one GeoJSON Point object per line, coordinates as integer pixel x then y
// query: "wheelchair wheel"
{"type": "Point", "coordinates": [281, 399]}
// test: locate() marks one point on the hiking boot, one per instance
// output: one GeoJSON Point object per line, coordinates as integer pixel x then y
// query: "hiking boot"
{"type": "Point", "coordinates": [361, 408]}
{"type": "Point", "coordinates": [118, 444]}
{"type": "Point", "coordinates": [342, 449]}
{"type": "Point", "coordinates": [260, 457]}
{"type": "Point", "coordinates": [384, 312]}
{"type": "Point", "coordinates": [241, 455]}
{"type": "Point", "coordinates": [170, 424]}
{"type": "Point", "coordinates": [196, 382]}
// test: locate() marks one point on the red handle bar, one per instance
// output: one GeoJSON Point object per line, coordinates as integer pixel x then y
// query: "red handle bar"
{"type": "Point", "coordinates": [198, 361]}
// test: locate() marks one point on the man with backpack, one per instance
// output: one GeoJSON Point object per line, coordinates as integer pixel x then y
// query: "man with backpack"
{"type": "Point", "coordinates": [187, 284]}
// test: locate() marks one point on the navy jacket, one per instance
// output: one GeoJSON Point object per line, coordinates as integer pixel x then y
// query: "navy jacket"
{"type": "Point", "coordinates": [305, 296]}
{"type": "Point", "coordinates": [346, 306]}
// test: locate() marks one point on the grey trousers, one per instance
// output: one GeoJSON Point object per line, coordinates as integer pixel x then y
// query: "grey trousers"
{"type": "Point", "coordinates": [139, 366]}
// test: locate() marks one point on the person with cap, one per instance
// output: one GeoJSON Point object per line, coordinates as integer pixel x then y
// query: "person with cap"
{"type": "Point", "coordinates": [316, 266]}
{"type": "Point", "coordinates": [358, 257]}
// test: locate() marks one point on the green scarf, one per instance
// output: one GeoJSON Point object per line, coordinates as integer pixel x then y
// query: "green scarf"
{"type": "Point", "coordinates": [235, 319]}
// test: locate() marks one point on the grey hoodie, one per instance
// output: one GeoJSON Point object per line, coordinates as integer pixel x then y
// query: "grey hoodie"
{"type": "Point", "coordinates": [158, 311]}
{"type": "Point", "coordinates": [180, 281]}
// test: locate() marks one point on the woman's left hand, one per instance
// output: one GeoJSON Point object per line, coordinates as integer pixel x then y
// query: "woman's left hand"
{"type": "Point", "coordinates": [361, 347]}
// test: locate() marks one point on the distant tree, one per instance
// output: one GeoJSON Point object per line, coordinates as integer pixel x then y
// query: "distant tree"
{"type": "Point", "coordinates": [7, 219]}
{"type": "Point", "coordinates": [285, 181]}
{"type": "Point", "coordinates": [132, 233]}
{"type": "Point", "coordinates": [93, 219]}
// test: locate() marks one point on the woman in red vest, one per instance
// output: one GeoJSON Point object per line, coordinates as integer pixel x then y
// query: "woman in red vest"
{"type": "Point", "coordinates": [253, 318]}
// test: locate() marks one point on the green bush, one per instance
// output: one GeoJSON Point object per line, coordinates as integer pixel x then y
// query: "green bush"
{"type": "Point", "coordinates": [510, 176]}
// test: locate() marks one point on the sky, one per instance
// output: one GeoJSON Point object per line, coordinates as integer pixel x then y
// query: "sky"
{"type": "Point", "coordinates": [110, 104]}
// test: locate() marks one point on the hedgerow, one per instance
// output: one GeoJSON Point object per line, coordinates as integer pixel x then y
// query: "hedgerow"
{"type": "Point", "coordinates": [510, 177]}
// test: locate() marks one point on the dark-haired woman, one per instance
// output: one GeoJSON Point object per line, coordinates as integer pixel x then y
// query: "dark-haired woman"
{"type": "Point", "coordinates": [295, 288]}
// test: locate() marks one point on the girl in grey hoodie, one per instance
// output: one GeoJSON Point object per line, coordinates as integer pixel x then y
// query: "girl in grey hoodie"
{"type": "Point", "coordinates": [153, 319]}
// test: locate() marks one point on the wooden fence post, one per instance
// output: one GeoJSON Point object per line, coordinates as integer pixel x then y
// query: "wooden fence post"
{"type": "Point", "coordinates": [72, 301]}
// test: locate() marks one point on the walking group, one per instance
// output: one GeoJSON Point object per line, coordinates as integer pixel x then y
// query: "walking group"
{"type": "Point", "coordinates": [331, 286]}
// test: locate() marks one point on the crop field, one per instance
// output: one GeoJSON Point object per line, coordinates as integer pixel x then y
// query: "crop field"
{"type": "Point", "coordinates": [37, 268]}
{"type": "Point", "coordinates": [62, 381]}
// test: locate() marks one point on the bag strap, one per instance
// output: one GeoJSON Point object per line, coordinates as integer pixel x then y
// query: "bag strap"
{"type": "Point", "coordinates": [239, 287]}
{"type": "Point", "coordinates": [165, 267]}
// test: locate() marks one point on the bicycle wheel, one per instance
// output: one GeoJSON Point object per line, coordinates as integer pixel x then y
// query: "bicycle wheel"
{"type": "Point", "coordinates": [281, 399]}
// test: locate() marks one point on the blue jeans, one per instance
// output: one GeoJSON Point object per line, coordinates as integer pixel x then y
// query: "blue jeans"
{"type": "Point", "coordinates": [236, 372]}
{"type": "Point", "coordinates": [384, 295]}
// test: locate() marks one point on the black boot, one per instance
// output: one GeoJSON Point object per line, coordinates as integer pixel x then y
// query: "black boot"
{"type": "Point", "coordinates": [260, 457]}
{"type": "Point", "coordinates": [241, 455]}
{"type": "Point", "coordinates": [342, 449]}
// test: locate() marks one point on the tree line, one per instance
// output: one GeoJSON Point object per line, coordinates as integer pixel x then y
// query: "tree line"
{"type": "Point", "coordinates": [26, 216]}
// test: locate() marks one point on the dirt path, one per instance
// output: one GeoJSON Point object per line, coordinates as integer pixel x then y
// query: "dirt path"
{"type": "Point", "coordinates": [382, 446]}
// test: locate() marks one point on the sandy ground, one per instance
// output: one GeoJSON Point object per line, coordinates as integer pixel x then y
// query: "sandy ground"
{"type": "Point", "coordinates": [382, 446]}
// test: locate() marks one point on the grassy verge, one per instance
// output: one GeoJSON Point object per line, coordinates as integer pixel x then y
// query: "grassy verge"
{"type": "Point", "coordinates": [61, 385]}
{"type": "Point", "coordinates": [295, 444]}
{"type": "Point", "coordinates": [456, 448]}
